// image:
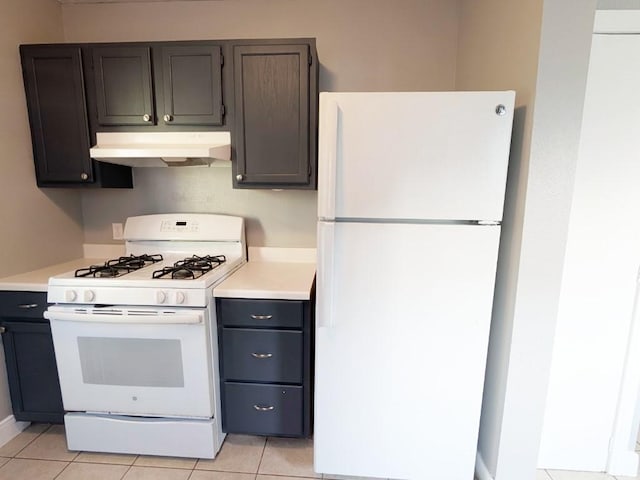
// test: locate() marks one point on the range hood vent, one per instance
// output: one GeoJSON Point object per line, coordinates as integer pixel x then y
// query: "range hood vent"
{"type": "Point", "coordinates": [162, 149]}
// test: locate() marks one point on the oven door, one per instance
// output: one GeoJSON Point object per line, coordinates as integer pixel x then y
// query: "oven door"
{"type": "Point", "coordinates": [134, 361]}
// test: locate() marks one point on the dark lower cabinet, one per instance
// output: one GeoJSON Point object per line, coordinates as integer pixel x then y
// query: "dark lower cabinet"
{"type": "Point", "coordinates": [30, 358]}
{"type": "Point", "coordinates": [266, 352]}
{"type": "Point", "coordinates": [275, 116]}
{"type": "Point", "coordinates": [54, 80]}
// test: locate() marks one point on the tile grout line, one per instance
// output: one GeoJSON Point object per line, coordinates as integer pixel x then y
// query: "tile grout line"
{"type": "Point", "coordinates": [34, 439]}
{"type": "Point", "coordinates": [264, 447]}
{"type": "Point", "coordinates": [61, 471]}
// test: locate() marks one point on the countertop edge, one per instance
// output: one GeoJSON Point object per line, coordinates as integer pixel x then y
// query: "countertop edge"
{"type": "Point", "coordinates": [270, 281]}
{"type": "Point", "coordinates": [38, 280]}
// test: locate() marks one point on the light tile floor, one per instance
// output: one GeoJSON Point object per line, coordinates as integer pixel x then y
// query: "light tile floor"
{"type": "Point", "coordinates": [40, 453]}
{"type": "Point", "coordinates": [567, 475]}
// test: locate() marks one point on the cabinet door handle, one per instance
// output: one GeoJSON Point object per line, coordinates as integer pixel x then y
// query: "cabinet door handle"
{"type": "Point", "coordinates": [262, 408]}
{"type": "Point", "coordinates": [262, 355]}
{"type": "Point", "coordinates": [261, 317]}
{"type": "Point", "coordinates": [28, 305]}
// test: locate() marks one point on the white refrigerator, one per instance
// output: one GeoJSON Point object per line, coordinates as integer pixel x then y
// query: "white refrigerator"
{"type": "Point", "coordinates": [410, 200]}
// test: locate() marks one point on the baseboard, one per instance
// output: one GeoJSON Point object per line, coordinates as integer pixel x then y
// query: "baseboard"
{"type": "Point", "coordinates": [9, 428]}
{"type": "Point", "coordinates": [482, 472]}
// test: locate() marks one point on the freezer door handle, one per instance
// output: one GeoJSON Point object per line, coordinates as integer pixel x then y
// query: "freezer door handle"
{"type": "Point", "coordinates": [324, 285]}
{"type": "Point", "coordinates": [328, 150]}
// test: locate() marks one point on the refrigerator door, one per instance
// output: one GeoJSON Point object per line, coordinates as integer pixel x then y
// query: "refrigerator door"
{"type": "Point", "coordinates": [403, 319]}
{"type": "Point", "coordinates": [425, 155]}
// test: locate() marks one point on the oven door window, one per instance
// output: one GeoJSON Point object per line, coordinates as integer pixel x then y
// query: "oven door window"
{"type": "Point", "coordinates": [150, 369]}
{"type": "Point", "coordinates": [141, 362]}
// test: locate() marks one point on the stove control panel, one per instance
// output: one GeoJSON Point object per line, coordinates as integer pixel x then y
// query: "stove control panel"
{"type": "Point", "coordinates": [131, 296]}
{"type": "Point", "coordinates": [179, 226]}
{"type": "Point", "coordinates": [172, 297]}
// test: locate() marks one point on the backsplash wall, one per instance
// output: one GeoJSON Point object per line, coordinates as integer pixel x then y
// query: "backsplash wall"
{"type": "Point", "coordinates": [284, 218]}
{"type": "Point", "coordinates": [363, 45]}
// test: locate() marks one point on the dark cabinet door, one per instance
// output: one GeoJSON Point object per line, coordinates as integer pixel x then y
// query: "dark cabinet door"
{"type": "Point", "coordinates": [32, 372]}
{"type": "Point", "coordinates": [55, 94]}
{"type": "Point", "coordinates": [192, 80]}
{"type": "Point", "coordinates": [124, 92]}
{"type": "Point", "coordinates": [272, 104]}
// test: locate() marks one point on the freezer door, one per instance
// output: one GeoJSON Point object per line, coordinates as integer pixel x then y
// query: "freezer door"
{"type": "Point", "coordinates": [427, 155]}
{"type": "Point", "coordinates": [403, 315]}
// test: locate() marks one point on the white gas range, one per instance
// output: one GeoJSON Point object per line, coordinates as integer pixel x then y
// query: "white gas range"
{"type": "Point", "coordinates": [136, 338]}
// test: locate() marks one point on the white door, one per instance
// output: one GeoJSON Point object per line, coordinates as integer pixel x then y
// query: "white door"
{"type": "Point", "coordinates": [428, 155]}
{"type": "Point", "coordinates": [590, 416]}
{"type": "Point", "coordinates": [139, 362]}
{"type": "Point", "coordinates": [403, 319]}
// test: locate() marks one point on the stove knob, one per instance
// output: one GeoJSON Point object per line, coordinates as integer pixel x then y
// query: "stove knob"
{"type": "Point", "coordinates": [160, 296]}
{"type": "Point", "coordinates": [70, 295]}
{"type": "Point", "coordinates": [180, 297]}
{"type": "Point", "coordinates": [89, 296]}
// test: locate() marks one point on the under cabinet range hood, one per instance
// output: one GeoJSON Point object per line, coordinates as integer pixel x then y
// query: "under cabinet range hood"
{"type": "Point", "coordinates": [162, 149]}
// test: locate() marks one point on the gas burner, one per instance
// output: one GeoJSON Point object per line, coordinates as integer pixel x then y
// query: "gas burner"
{"type": "Point", "coordinates": [191, 267]}
{"type": "Point", "coordinates": [118, 266]}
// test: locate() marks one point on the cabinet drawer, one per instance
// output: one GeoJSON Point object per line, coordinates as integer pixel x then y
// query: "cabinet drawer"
{"type": "Point", "coordinates": [263, 409]}
{"type": "Point", "coordinates": [261, 313]}
{"type": "Point", "coordinates": [262, 355]}
{"type": "Point", "coordinates": [23, 304]}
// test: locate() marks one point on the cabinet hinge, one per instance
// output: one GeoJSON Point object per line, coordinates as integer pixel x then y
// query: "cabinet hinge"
{"type": "Point", "coordinates": [222, 110]}
{"type": "Point", "coordinates": [221, 59]}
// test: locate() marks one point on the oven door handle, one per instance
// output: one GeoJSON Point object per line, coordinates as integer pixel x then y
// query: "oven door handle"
{"type": "Point", "coordinates": [147, 318]}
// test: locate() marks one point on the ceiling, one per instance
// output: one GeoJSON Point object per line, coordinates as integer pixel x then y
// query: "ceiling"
{"type": "Point", "coordinates": [120, 1]}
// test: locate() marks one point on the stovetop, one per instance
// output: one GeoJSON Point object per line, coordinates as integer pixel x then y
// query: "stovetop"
{"type": "Point", "coordinates": [171, 259]}
{"type": "Point", "coordinates": [149, 284]}
{"type": "Point", "coordinates": [117, 267]}
{"type": "Point", "coordinates": [188, 268]}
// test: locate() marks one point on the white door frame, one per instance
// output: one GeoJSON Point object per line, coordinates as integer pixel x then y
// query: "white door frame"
{"type": "Point", "coordinates": [623, 460]}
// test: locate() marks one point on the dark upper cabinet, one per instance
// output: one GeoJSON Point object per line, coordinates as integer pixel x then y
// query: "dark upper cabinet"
{"type": "Point", "coordinates": [124, 93]}
{"type": "Point", "coordinates": [270, 86]}
{"type": "Point", "coordinates": [54, 85]}
{"type": "Point", "coordinates": [275, 116]}
{"type": "Point", "coordinates": [192, 81]}
{"type": "Point", "coordinates": [158, 85]}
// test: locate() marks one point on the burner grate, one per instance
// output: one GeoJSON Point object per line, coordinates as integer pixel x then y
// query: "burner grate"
{"type": "Point", "coordinates": [191, 267]}
{"type": "Point", "coordinates": [118, 266]}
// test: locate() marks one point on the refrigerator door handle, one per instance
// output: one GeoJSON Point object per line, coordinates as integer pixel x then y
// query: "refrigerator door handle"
{"type": "Point", "coordinates": [324, 286]}
{"type": "Point", "coordinates": [329, 144]}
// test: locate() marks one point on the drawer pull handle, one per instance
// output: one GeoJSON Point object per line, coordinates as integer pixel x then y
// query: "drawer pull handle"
{"type": "Point", "coordinates": [262, 355]}
{"type": "Point", "coordinates": [261, 317]}
{"type": "Point", "coordinates": [261, 408]}
{"type": "Point", "coordinates": [28, 305]}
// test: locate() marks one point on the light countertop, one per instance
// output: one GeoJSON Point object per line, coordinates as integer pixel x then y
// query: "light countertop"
{"type": "Point", "coordinates": [37, 280]}
{"type": "Point", "coordinates": [270, 280]}
{"type": "Point", "coordinates": [268, 277]}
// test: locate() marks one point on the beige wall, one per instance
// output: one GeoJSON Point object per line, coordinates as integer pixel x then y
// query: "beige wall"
{"type": "Point", "coordinates": [39, 227]}
{"type": "Point", "coordinates": [362, 45]}
{"type": "Point", "coordinates": [498, 49]}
